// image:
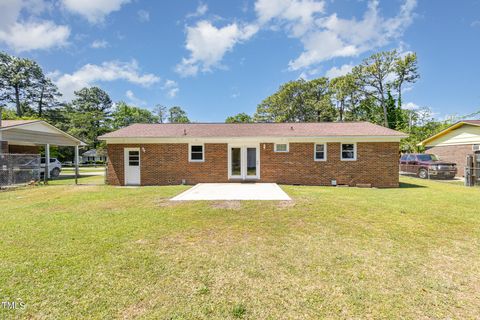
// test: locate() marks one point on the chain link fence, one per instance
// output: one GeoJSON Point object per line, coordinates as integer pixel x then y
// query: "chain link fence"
{"type": "Point", "coordinates": [16, 169]}
{"type": "Point", "coordinates": [472, 176]}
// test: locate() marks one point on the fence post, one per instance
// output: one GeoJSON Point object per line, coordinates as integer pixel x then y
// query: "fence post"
{"type": "Point", "coordinates": [10, 169]}
{"type": "Point", "coordinates": [76, 164]}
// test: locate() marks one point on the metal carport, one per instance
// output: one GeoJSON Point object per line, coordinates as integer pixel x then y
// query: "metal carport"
{"type": "Point", "coordinates": [37, 133]}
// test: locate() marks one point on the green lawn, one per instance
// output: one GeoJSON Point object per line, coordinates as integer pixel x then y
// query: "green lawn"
{"type": "Point", "coordinates": [71, 170]}
{"type": "Point", "coordinates": [101, 252]}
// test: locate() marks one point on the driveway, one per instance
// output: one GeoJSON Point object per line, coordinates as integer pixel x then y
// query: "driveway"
{"type": "Point", "coordinates": [233, 191]}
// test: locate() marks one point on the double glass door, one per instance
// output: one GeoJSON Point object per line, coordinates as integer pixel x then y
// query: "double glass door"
{"type": "Point", "coordinates": [244, 162]}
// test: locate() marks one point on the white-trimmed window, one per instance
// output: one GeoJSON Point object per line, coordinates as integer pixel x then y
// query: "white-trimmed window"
{"type": "Point", "coordinates": [281, 147]}
{"type": "Point", "coordinates": [348, 151]}
{"type": "Point", "coordinates": [196, 153]}
{"type": "Point", "coordinates": [320, 152]}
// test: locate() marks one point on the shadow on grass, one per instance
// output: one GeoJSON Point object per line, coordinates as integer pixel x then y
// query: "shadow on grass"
{"type": "Point", "coordinates": [410, 185]}
{"type": "Point", "coordinates": [67, 177]}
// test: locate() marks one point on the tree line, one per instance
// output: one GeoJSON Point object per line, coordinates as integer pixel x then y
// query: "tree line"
{"type": "Point", "coordinates": [372, 92]}
{"type": "Point", "coordinates": [27, 93]}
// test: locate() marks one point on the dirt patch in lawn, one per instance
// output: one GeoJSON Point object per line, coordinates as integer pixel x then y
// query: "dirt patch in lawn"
{"type": "Point", "coordinates": [164, 202]}
{"type": "Point", "coordinates": [285, 204]}
{"type": "Point", "coordinates": [229, 205]}
{"type": "Point", "coordinates": [134, 311]}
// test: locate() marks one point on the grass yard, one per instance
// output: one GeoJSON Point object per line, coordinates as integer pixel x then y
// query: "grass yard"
{"type": "Point", "coordinates": [100, 252]}
{"type": "Point", "coordinates": [71, 170]}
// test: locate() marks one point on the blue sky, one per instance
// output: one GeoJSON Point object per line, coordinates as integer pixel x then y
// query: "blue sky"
{"type": "Point", "coordinates": [218, 58]}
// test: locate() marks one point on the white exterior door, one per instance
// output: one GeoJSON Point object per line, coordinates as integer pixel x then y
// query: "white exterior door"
{"type": "Point", "coordinates": [132, 166]}
{"type": "Point", "coordinates": [243, 162]}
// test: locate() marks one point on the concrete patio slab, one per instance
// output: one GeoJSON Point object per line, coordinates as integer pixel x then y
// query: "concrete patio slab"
{"type": "Point", "coordinates": [233, 191]}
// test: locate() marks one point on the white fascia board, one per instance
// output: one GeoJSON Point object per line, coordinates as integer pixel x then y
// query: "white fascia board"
{"type": "Point", "coordinates": [43, 126]}
{"type": "Point", "coordinates": [319, 139]}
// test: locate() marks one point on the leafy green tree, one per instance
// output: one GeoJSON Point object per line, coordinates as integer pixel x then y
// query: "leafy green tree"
{"type": "Point", "coordinates": [298, 101]}
{"type": "Point", "coordinates": [18, 76]}
{"type": "Point", "coordinates": [8, 114]}
{"type": "Point", "coordinates": [88, 114]}
{"type": "Point", "coordinates": [395, 114]}
{"type": "Point", "coordinates": [161, 112]}
{"type": "Point", "coordinates": [45, 95]}
{"type": "Point", "coordinates": [125, 115]}
{"type": "Point", "coordinates": [383, 72]}
{"type": "Point", "coordinates": [346, 96]}
{"type": "Point", "coordinates": [239, 118]}
{"type": "Point", "coordinates": [406, 71]}
{"type": "Point", "coordinates": [24, 85]}
{"type": "Point", "coordinates": [373, 77]}
{"type": "Point", "coordinates": [422, 126]}
{"type": "Point", "coordinates": [177, 115]}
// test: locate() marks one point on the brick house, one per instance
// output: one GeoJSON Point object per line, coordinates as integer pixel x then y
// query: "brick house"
{"type": "Point", "coordinates": [455, 143]}
{"type": "Point", "coordinates": [289, 153]}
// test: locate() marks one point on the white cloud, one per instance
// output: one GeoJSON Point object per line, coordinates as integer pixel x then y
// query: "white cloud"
{"type": "Point", "coordinates": [208, 44]}
{"type": "Point", "coordinates": [323, 37]}
{"type": "Point", "coordinates": [410, 106]}
{"type": "Point", "coordinates": [338, 72]}
{"type": "Point", "coordinates": [336, 37]}
{"type": "Point", "coordinates": [309, 74]}
{"type": "Point", "coordinates": [201, 10]}
{"type": "Point", "coordinates": [298, 15]}
{"type": "Point", "coordinates": [31, 33]}
{"type": "Point", "coordinates": [99, 44]}
{"type": "Point", "coordinates": [143, 15]}
{"type": "Point", "coordinates": [133, 99]}
{"type": "Point", "coordinates": [90, 74]}
{"type": "Point", "coordinates": [475, 23]}
{"type": "Point", "coordinates": [94, 11]}
{"type": "Point", "coordinates": [171, 87]}
{"type": "Point", "coordinates": [35, 35]}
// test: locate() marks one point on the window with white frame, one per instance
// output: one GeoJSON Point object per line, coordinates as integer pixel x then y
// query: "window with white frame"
{"type": "Point", "coordinates": [197, 153]}
{"type": "Point", "coordinates": [348, 151]}
{"type": "Point", "coordinates": [320, 152]}
{"type": "Point", "coordinates": [281, 147]}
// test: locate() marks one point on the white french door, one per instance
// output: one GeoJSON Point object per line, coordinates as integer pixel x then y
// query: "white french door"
{"type": "Point", "coordinates": [243, 162]}
{"type": "Point", "coordinates": [132, 166]}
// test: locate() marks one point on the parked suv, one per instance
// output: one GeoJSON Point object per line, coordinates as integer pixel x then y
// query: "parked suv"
{"type": "Point", "coordinates": [426, 165]}
{"type": "Point", "coordinates": [55, 167]}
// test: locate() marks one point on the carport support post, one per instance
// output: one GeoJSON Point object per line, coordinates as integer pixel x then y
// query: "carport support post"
{"type": "Point", "coordinates": [76, 164]}
{"type": "Point", "coordinates": [46, 172]}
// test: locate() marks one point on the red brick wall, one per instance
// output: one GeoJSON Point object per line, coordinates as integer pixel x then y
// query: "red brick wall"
{"type": "Point", "coordinates": [377, 164]}
{"type": "Point", "coordinates": [457, 154]}
{"type": "Point", "coordinates": [23, 149]}
{"type": "Point", "coordinates": [168, 164]}
{"type": "Point", "coordinates": [3, 146]}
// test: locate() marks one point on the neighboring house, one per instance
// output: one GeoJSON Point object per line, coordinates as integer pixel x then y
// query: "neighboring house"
{"type": "Point", "coordinates": [455, 143]}
{"type": "Point", "coordinates": [290, 153]}
{"type": "Point", "coordinates": [94, 155]}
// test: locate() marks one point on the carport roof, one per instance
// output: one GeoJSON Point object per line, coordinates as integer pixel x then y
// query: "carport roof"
{"type": "Point", "coordinates": [36, 132]}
